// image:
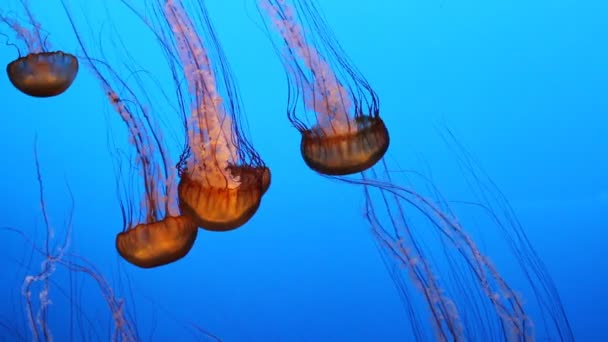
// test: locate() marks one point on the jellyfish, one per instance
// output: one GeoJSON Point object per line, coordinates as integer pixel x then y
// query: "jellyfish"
{"type": "Point", "coordinates": [436, 265]}
{"type": "Point", "coordinates": [154, 231]}
{"type": "Point", "coordinates": [339, 116]}
{"type": "Point", "coordinates": [223, 178]}
{"type": "Point", "coordinates": [159, 235]}
{"type": "Point", "coordinates": [41, 72]}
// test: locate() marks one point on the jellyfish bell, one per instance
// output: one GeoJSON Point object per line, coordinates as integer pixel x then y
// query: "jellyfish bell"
{"type": "Point", "coordinates": [43, 74]}
{"type": "Point", "coordinates": [224, 208]}
{"type": "Point", "coordinates": [158, 243]}
{"type": "Point", "coordinates": [351, 151]}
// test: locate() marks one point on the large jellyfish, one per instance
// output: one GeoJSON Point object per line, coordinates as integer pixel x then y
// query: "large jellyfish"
{"type": "Point", "coordinates": [154, 232]}
{"type": "Point", "coordinates": [41, 72]}
{"type": "Point", "coordinates": [425, 245]}
{"type": "Point", "coordinates": [223, 178]}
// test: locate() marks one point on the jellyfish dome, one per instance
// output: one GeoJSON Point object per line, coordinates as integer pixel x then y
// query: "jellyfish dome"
{"type": "Point", "coordinates": [342, 153]}
{"type": "Point", "coordinates": [40, 72]}
{"type": "Point", "coordinates": [43, 74]}
{"type": "Point", "coordinates": [224, 208]}
{"type": "Point", "coordinates": [158, 243]}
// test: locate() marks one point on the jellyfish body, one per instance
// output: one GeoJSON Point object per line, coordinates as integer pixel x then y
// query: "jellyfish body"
{"type": "Point", "coordinates": [43, 74]}
{"type": "Point", "coordinates": [350, 152]}
{"type": "Point", "coordinates": [223, 178]}
{"type": "Point", "coordinates": [348, 136]}
{"type": "Point", "coordinates": [158, 243]}
{"type": "Point", "coordinates": [40, 73]}
{"type": "Point", "coordinates": [220, 208]}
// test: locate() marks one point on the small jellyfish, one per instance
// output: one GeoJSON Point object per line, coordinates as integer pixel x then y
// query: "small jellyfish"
{"type": "Point", "coordinates": [223, 178]}
{"type": "Point", "coordinates": [342, 132]}
{"type": "Point", "coordinates": [40, 73]}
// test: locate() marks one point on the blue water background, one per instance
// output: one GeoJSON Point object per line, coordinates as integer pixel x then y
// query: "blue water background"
{"type": "Point", "coordinates": [523, 84]}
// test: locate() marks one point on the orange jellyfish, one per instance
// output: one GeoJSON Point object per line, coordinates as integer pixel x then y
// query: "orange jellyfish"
{"type": "Point", "coordinates": [436, 264]}
{"type": "Point", "coordinates": [159, 235]}
{"type": "Point", "coordinates": [342, 132]}
{"type": "Point", "coordinates": [223, 178]}
{"type": "Point", "coordinates": [40, 73]}
{"type": "Point", "coordinates": [154, 232]}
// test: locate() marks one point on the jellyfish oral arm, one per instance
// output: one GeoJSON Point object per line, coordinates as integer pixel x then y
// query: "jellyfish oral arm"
{"type": "Point", "coordinates": [324, 95]}
{"type": "Point", "coordinates": [210, 134]}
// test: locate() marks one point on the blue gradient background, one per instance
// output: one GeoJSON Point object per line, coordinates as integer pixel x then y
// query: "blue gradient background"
{"type": "Point", "coordinates": [521, 83]}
